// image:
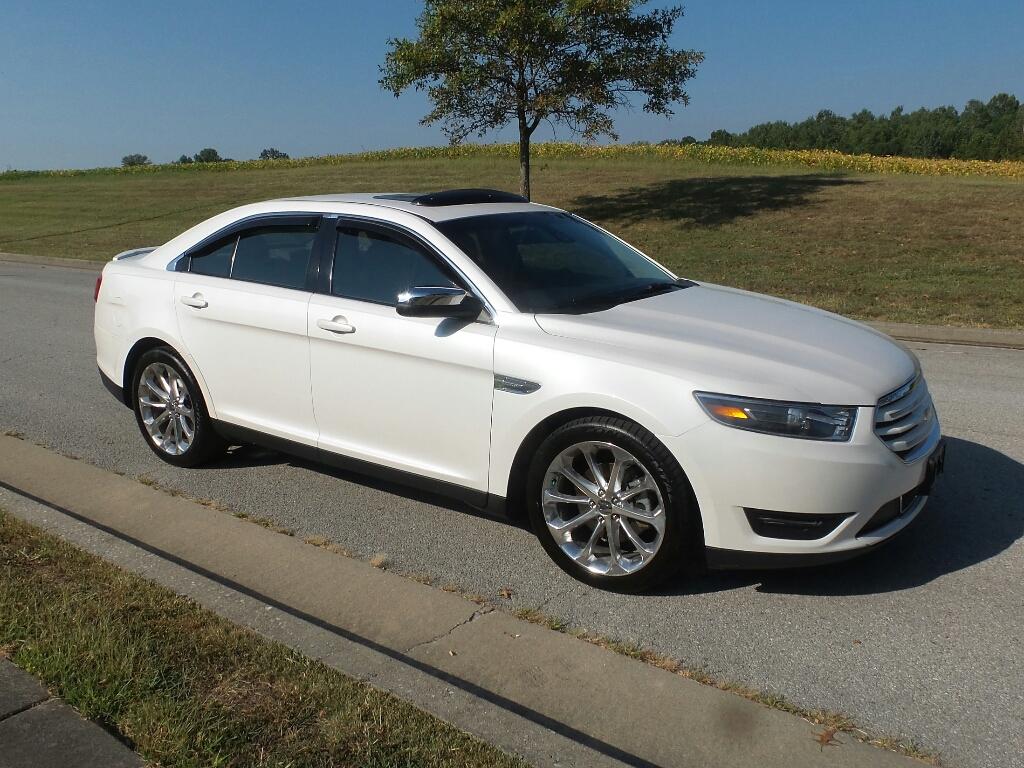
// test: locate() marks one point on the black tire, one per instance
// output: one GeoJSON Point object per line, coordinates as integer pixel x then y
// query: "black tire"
{"type": "Point", "coordinates": [205, 444]}
{"type": "Point", "coordinates": [682, 543]}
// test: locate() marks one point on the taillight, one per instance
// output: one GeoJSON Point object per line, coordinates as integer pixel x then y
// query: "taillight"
{"type": "Point", "coordinates": [96, 293]}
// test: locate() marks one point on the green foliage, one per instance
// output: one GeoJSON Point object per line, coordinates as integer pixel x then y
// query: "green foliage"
{"type": "Point", "coordinates": [273, 154]}
{"type": "Point", "coordinates": [185, 687]}
{"type": "Point", "coordinates": [208, 155]}
{"type": "Point", "coordinates": [133, 160]}
{"type": "Point", "coordinates": [184, 160]}
{"type": "Point", "coordinates": [487, 63]}
{"type": "Point", "coordinates": [992, 131]}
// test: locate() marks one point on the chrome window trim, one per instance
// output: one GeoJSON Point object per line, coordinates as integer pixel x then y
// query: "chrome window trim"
{"type": "Point", "coordinates": [239, 224]}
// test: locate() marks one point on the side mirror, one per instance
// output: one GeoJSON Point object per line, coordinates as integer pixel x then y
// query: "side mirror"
{"type": "Point", "coordinates": [438, 301]}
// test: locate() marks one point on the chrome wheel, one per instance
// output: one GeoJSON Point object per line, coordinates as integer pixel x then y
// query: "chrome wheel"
{"type": "Point", "coordinates": [603, 508]}
{"type": "Point", "coordinates": [166, 409]}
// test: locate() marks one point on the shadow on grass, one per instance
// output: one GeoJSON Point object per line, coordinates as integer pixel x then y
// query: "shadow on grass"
{"type": "Point", "coordinates": [975, 513]}
{"type": "Point", "coordinates": [707, 202]}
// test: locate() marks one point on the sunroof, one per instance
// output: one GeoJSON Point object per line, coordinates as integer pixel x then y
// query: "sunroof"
{"type": "Point", "coordinates": [405, 197]}
{"type": "Point", "coordinates": [468, 196]}
{"type": "Point", "coordinates": [455, 197]}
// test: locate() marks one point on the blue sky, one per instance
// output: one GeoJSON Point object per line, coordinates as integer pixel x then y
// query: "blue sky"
{"type": "Point", "coordinates": [82, 84]}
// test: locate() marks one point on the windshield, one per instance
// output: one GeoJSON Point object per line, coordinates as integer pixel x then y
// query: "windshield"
{"type": "Point", "coordinates": [554, 262]}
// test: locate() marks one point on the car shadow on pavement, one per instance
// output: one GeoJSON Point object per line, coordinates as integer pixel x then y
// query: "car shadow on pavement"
{"type": "Point", "coordinates": [975, 513]}
{"type": "Point", "coordinates": [257, 456]}
{"type": "Point", "coordinates": [707, 202]}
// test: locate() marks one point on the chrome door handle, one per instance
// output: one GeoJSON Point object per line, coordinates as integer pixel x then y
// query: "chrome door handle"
{"type": "Point", "coordinates": [195, 300]}
{"type": "Point", "coordinates": [337, 325]}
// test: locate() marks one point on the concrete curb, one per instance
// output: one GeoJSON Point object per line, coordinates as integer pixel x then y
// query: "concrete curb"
{"type": "Point", "coordinates": [934, 334]}
{"type": "Point", "coordinates": [54, 261]}
{"type": "Point", "coordinates": [558, 688]}
{"type": "Point", "coordinates": [949, 334]}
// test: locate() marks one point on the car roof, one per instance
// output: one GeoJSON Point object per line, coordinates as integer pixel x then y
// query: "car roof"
{"type": "Point", "coordinates": [413, 203]}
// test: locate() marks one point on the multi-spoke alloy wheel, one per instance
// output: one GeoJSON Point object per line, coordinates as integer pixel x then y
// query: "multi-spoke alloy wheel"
{"type": "Point", "coordinates": [611, 505]}
{"type": "Point", "coordinates": [603, 508]}
{"type": "Point", "coordinates": [166, 409]}
{"type": "Point", "coordinates": [170, 410]}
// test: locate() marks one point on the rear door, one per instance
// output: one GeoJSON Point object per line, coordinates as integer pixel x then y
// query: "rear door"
{"type": "Point", "coordinates": [409, 393]}
{"type": "Point", "coordinates": [241, 304]}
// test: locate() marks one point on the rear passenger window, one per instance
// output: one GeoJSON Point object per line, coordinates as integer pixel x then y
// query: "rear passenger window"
{"type": "Point", "coordinates": [374, 266]}
{"type": "Point", "coordinates": [276, 255]}
{"type": "Point", "coordinates": [214, 260]}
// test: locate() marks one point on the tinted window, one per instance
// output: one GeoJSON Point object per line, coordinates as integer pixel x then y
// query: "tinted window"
{"type": "Point", "coordinates": [274, 255]}
{"type": "Point", "coordinates": [372, 266]}
{"type": "Point", "coordinates": [554, 262]}
{"type": "Point", "coordinates": [214, 260]}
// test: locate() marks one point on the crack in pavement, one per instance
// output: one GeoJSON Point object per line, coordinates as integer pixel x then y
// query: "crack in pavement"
{"type": "Point", "coordinates": [26, 708]}
{"type": "Point", "coordinates": [476, 615]}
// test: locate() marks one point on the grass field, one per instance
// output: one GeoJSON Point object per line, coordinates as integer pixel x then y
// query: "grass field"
{"type": "Point", "coordinates": [188, 689]}
{"type": "Point", "coordinates": [921, 249]}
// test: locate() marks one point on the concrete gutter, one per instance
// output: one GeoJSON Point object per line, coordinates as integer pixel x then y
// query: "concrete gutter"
{"type": "Point", "coordinates": [935, 334]}
{"type": "Point", "coordinates": [549, 697]}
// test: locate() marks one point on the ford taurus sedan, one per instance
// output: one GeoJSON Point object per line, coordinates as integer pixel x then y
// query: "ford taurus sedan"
{"type": "Point", "coordinates": [525, 361]}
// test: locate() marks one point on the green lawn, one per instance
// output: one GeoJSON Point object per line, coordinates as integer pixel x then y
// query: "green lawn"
{"type": "Point", "coordinates": [189, 690]}
{"type": "Point", "coordinates": [944, 250]}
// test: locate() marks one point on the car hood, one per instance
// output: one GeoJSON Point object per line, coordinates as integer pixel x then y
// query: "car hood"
{"type": "Point", "coordinates": [735, 342]}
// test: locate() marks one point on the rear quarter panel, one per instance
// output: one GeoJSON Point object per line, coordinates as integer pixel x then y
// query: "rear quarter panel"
{"type": "Point", "coordinates": [136, 302]}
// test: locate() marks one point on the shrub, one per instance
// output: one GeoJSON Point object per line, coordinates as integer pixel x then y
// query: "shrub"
{"type": "Point", "coordinates": [208, 155]}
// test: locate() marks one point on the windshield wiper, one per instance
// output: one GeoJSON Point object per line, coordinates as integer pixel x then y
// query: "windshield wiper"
{"type": "Point", "coordinates": [607, 301]}
{"type": "Point", "coordinates": [646, 291]}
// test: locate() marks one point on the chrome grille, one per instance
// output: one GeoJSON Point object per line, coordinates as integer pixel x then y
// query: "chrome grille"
{"type": "Point", "coordinates": [906, 422]}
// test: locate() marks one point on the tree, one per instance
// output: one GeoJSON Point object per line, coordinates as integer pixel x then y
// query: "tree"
{"type": "Point", "coordinates": [208, 155]}
{"type": "Point", "coordinates": [487, 63]}
{"type": "Point", "coordinates": [184, 160]}
{"type": "Point", "coordinates": [273, 154]}
{"type": "Point", "coordinates": [985, 131]}
{"type": "Point", "coordinates": [130, 160]}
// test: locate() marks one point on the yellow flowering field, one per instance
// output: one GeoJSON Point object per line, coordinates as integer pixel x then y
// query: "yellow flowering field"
{"type": "Point", "coordinates": [812, 158]}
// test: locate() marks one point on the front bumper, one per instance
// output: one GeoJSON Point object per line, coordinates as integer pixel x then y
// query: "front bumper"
{"type": "Point", "coordinates": [734, 472]}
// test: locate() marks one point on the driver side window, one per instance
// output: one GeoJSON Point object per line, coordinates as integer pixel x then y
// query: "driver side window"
{"type": "Point", "coordinates": [375, 266]}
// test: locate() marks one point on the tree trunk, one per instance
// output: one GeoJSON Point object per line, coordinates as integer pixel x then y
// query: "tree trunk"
{"type": "Point", "coordinates": [524, 158]}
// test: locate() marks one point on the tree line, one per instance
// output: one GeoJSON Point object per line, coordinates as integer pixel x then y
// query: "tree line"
{"type": "Point", "coordinates": [207, 155]}
{"type": "Point", "coordinates": [992, 130]}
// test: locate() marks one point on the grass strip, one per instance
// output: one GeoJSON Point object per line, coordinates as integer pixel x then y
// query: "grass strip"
{"type": "Point", "coordinates": [822, 159]}
{"type": "Point", "coordinates": [186, 688]}
{"type": "Point", "coordinates": [900, 248]}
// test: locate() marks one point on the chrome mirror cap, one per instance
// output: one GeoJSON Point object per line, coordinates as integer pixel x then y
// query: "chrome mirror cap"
{"type": "Point", "coordinates": [438, 301]}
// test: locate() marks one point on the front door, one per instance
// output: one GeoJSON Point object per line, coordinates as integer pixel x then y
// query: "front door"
{"type": "Point", "coordinates": [409, 393]}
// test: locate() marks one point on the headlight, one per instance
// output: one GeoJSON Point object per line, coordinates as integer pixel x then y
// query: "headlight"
{"type": "Point", "coordinates": [807, 420]}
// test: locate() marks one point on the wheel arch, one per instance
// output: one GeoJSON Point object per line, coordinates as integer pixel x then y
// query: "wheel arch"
{"type": "Point", "coordinates": [148, 343]}
{"type": "Point", "coordinates": [515, 501]}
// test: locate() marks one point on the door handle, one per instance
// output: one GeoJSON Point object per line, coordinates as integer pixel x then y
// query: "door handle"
{"type": "Point", "coordinates": [195, 300]}
{"type": "Point", "coordinates": [338, 325]}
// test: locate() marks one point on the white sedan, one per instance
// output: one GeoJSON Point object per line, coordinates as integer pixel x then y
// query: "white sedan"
{"type": "Point", "coordinates": [523, 360]}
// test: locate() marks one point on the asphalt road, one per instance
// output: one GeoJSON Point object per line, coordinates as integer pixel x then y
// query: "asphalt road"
{"type": "Point", "coordinates": [921, 639]}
